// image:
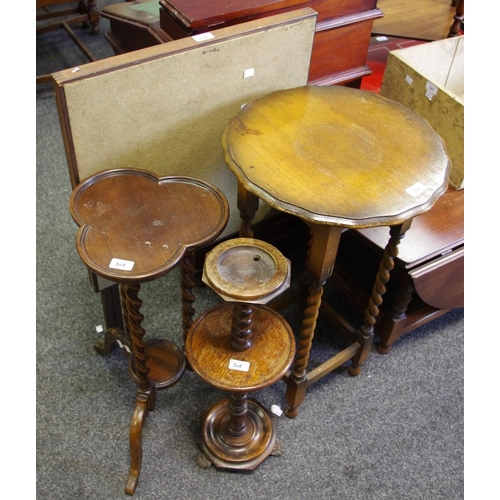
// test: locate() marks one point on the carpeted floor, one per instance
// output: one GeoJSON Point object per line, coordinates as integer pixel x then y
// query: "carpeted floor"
{"type": "Point", "coordinates": [394, 432]}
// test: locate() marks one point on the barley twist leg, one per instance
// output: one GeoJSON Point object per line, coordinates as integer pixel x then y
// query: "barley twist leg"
{"type": "Point", "coordinates": [295, 392]}
{"type": "Point", "coordinates": [365, 334]}
{"type": "Point", "coordinates": [146, 392]}
{"type": "Point", "coordinates": [188, 282]}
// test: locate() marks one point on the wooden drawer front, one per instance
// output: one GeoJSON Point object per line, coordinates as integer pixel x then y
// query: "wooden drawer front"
{"type": "Point", "coordinates": [200, 14]}
{"type": "Point", "coordinates": [330, 9]}
{"type": "Point", "coordinates": [135, 36]}
{"type": "Point", "coordinates": [174, 28]}
{"type": "Point", "coordinates": [203, 15]}
{"type": "Point", "coordinates": [339, 54]}
{"type": "Point", "coordinates": [341, 41]}
{"type": "Point", "coordinates": [440, 283]}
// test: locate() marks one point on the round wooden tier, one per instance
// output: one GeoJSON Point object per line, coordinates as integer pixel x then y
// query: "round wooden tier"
{"type": "Point", "coordinates": [209, 352]}
{"type": "Point", "coordinates": [246, 270]}
{"type": "Point", "coordinates": [238, 433]}
{"type": "Point", "coordinates": [165, 361]}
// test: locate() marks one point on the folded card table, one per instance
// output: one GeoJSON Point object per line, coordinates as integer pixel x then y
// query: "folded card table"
{"type": "Point", "coordinates": [337, 158]}
{"type": "Point", "coordinates": [136, 227]}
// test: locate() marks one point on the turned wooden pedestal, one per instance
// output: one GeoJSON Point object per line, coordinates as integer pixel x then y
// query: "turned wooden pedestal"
{"type": "Point", "coordinates": [136, 227]}
{"type": "Point", "coordinates": [241, 347]}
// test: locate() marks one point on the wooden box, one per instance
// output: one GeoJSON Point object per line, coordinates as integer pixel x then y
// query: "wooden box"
{"type": "Point", "coordinates": [429, 79]}
{"type": "Point", "coordinates": [341, 40]}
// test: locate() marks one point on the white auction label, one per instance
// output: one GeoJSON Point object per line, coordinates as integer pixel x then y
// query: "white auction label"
{"type": "Point", "coordinates": [248, 73]}
{"type": "Point", "coordinates": [431, 87]}
{"type": "Point", "coordinates": [202, 37]}
{"type": "Point", "coordinates": [416, 189]}
{"type": "Point", "coordinates": [430, 90]}
{"type": "Point", "coordinates": [124, 265]}
{"type": "Point", "coordinates": [242, 366]}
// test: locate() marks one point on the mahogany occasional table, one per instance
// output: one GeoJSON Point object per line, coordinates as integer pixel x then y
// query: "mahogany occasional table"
{"type": "Point", "coordinates": [136, 227]}
{"type": "Point", "coordinates": [337, 158]}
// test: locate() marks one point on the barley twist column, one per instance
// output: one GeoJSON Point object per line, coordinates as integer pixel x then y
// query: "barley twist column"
{"type": "Point", "coordinates": [377, 296]}
{"type": "Point", "coordinates": [187, 268]}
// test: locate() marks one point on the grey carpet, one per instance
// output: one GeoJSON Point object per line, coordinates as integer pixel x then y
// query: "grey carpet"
{"type": "Point", "coordinates": [395, 432]}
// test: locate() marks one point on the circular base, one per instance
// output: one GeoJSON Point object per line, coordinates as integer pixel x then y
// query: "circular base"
{"type": "Point", "coordinates": [165, 361]}
{"type": "Point", "coordinates": [244, 452]}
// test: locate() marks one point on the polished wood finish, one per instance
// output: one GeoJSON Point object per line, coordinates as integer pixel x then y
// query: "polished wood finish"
{"type": "Point", "coordinates": [241, 346]}
{"type": "Point", "coordinates": [136, 227]}
{"type": "Point", "coordinates": [342, 36]}
{"type": "Point", "coordinates": [428, 278]}
{"type": "Point", "coordinates": [458, 19]}
{"type": "Point", "coordinates": [420, 20]}
{"type": "Point", "coordinates": [196, 16]}
{"type": "Point", "coordinates": [336, 147]}
{"type": "Point", "coordinates": [330, 156]}
{"type": "Point", "coordinates": [238, 433]}
{"type": "Point", "coordinates": [162, 230]}
{"type": "Point", "coordinates": [270, 353]}
{"type": "Point", "coordinates": [246, 269]}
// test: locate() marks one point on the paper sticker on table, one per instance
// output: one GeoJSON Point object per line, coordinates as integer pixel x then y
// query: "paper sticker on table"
{"type": "Point", "coordinates": [248, 72]}
{"type": "Point", "coordinates": [124, 265]}
{"type": "Point", "coordinates": [202, 37]}
{"type": "Point", "coordinates": [277, 410]}
{"type": "Point", "coordinates": [416, 189]}
{"type": "Point", "coordinates": [431, 90]}
{"type": "Point", "coordinates": [241, 366]}
{"type": "Point", "coordinates": [409, 79]}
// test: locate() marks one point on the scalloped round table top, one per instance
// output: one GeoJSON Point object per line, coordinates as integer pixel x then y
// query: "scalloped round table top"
{"type": "Point", "coordinates": [337, 155]}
